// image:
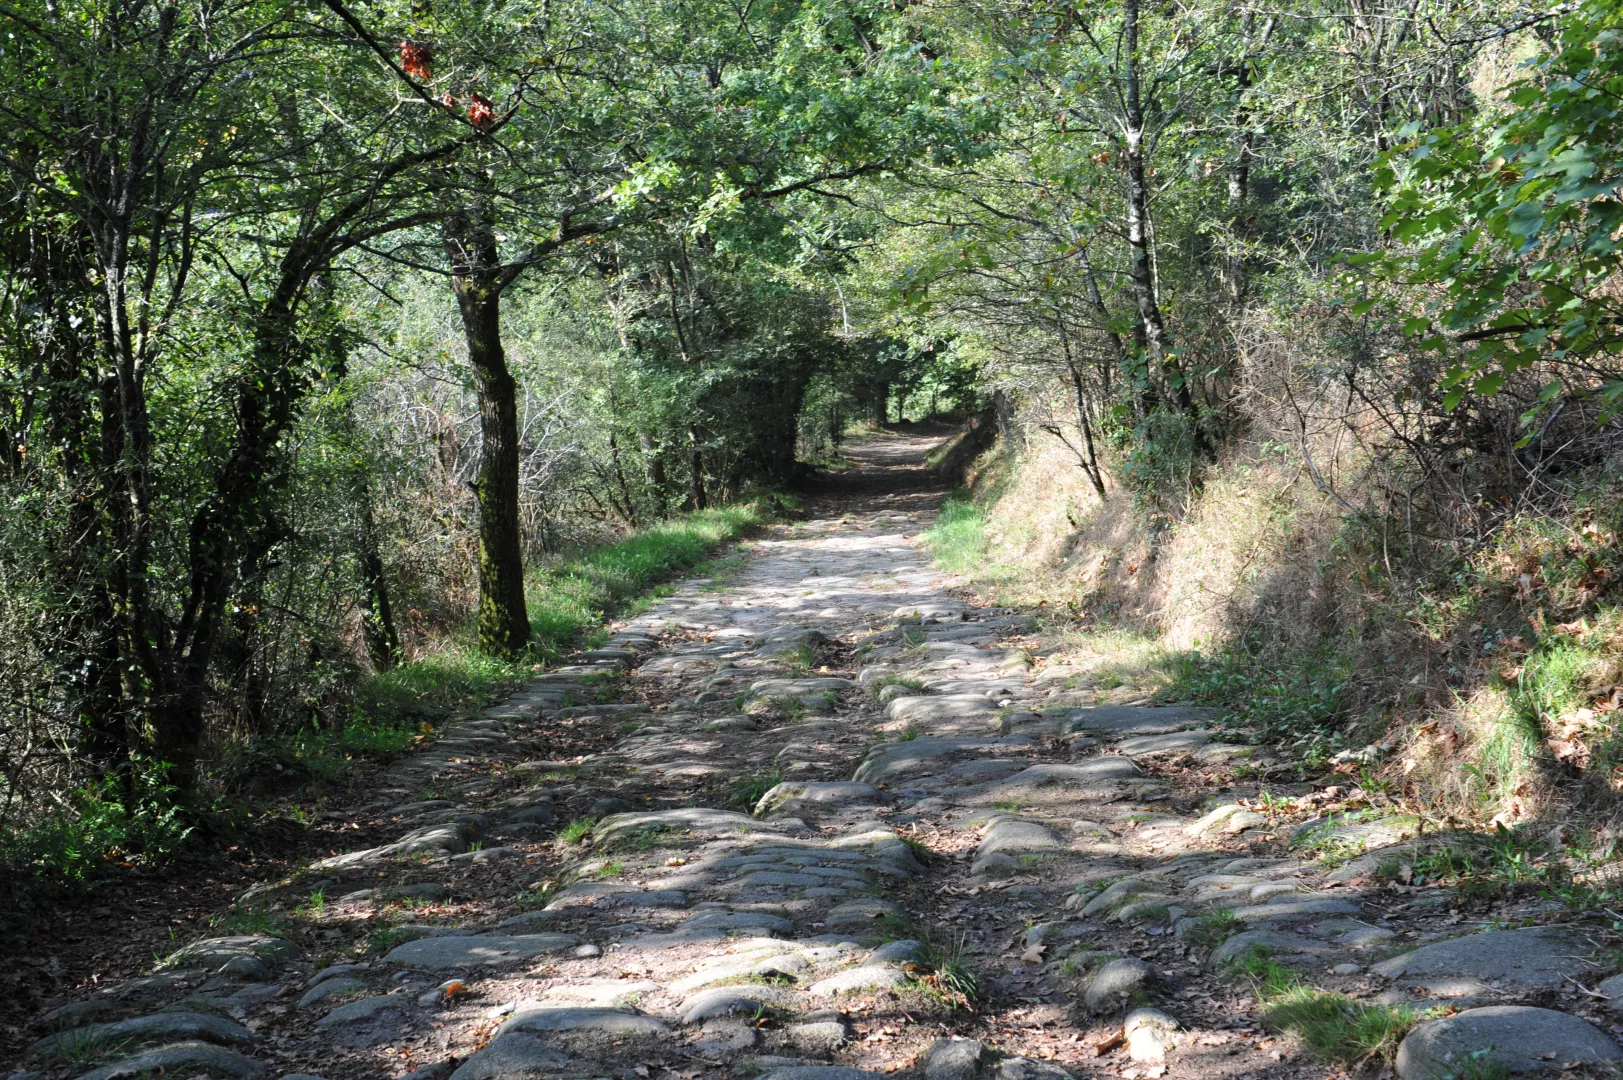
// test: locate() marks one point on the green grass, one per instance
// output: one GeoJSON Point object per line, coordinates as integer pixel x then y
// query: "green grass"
{"type": "Point", "coordinates": [746, 791]}
{"type": "Point", "coordinates": [1213, 928]}
{"type": "Point", "coordinates": [958, 541]}
{"type": "Point", "coordinates": [570, 598]}
{"type": "Point", "coordinates": [944, 975]}
{"type": "Point", "coordinates": [577, 830]}
{"type": "Point", "coordinates": [1334, 1026]}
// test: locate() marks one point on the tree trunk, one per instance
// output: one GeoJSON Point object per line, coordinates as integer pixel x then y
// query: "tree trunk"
{"type": "Point", "coordinates": [629, 505]}
{"type": "Point", "coordinates": [377, 613]}
{"type": "Point", "coordinates": [504, 623]}
{"type": "Point", "coordinates": [696, 474]}
{"type": "Point", "coordinates": [1003, 410]}
{"type": "Point", "coordinates": [1141, 268]}
{"type": "Point", "coordinates": [470, 242]}
{"type": "Point", "coordinates": [1089, 458]}
{"type": "Point", "coordinates": [654, 455]}
{"type": "Point", "coordinates": [1143, 393]}
{"type": "Point", "coordinates": [1239, 178]}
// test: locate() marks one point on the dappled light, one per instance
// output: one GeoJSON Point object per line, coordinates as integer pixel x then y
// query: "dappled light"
{"type": "Point", "coordinates": [811, 540]}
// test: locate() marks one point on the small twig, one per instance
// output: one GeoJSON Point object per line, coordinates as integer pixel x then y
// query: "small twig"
{"type": "Point", "coordinates": [1585, 989]}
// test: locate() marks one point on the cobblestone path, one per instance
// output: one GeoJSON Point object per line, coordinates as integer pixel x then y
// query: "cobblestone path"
{"type": "Point", "coordinates": [819, 819]}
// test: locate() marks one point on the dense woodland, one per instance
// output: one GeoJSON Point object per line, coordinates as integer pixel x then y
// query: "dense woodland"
{"type": "Point", "coordinates": [327, 328]}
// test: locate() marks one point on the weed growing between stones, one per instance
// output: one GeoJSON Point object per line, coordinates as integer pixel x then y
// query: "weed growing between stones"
{"type": "Point", "coordinates": [1480, 1065]}
{"type": "Point", "coordinates": [387, 938]}
{"type": "Point", "coordinates": [576, 831]}
{"type": "Point", "coordinates": [1513, 862]}
{"type": "Point", "coordinates": [236, 920]}
{"type": "Point", "coordinates": [800, 659]}
{"type": "Point", "coordinates": [906, 683]}
{"type": "Point", "coordinates": [945, 976]}
{"type": "Point", "coordinates": [746, 791]}
{"type": "Point", "coordinates": [921, 851]}
{"type": "Point", "coordinates": [1336, 1027]}
{"type": "Point", "coordinates": [648, 838]}
{"type": "Point", "coordinates": [1213, 928]}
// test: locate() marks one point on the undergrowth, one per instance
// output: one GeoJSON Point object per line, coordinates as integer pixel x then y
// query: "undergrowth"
{"type": "Point", "coordinates": [132, 818]}
{"type": "Point", "coordinates": [1300, 703]}
{"type": "Point", "coordinates": [137, 817]}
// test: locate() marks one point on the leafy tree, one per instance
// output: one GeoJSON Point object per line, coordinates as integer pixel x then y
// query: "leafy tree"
{"type": "Point", "coordinates": [1506, 228]}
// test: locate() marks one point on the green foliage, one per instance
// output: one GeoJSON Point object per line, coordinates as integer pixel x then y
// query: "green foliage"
{"type": "Point", "coordinates": [958, 541]}
{"type": "Point", "coordinates": [570, 598]}
{"type": "Point", "coordinates": [133, 817]}
{"type": "Point", "coordinates": [1512, 217]}
{"type": "Point", "coordinates": [745, 791]}
{"type": "Point", "coordinates": [577, 831]}
{"type": "Point", "coordinates": [1335, 1026]}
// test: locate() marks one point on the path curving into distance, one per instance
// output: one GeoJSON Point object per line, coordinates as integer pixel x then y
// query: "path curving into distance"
{"type": "Point", "coordinates": [795, 788]}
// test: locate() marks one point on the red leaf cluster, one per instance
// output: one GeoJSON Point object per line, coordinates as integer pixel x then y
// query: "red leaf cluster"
{"type": "Point", "coordinates": [481, 113]}
{"type": "Point", "coordinates": [417, 60]}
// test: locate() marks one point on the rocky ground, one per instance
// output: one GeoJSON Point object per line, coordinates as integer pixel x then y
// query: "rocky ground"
{"type": "Point", "coordinates": [816, 818]}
